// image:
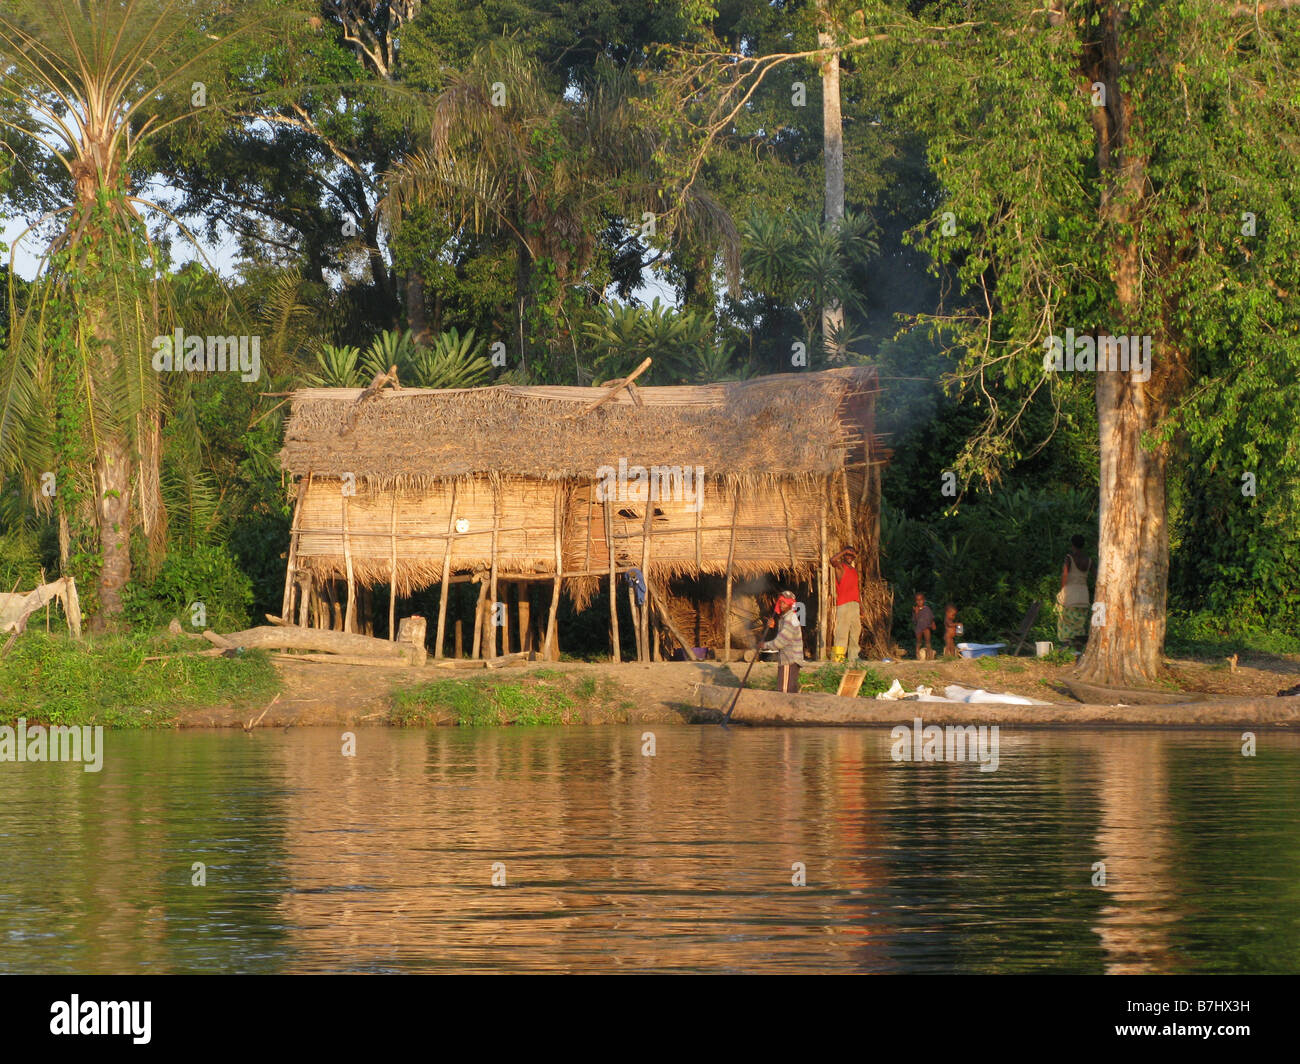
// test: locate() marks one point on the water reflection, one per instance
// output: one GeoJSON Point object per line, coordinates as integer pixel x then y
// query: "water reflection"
{"type": "Point", "coordinates": [615, 861]}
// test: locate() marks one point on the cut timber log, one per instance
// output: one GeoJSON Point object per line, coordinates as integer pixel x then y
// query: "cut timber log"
{"type": "Point", "coordinates": [411, 633]}
{"type": "Point", "coordinates": [345, 659]}
{"type": "Point", "coordinates": [506, 659]}
{"type": "Point", "coordinates": [320, 639]}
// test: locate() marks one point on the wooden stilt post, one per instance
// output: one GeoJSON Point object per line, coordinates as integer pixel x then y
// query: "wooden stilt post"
{"type": "Point", "coordinates": [305, 601]}
{"type": "Point", "coordinates": [392, 577]}
{"type": "Point", "coordinates": [789, 533]}
{"type": "Point", "coordinates": [286, 608]}
{"type": "Point", "coordinates": [525, 619]}
{"type": "Point", "coordinates": [636, 620]}
{"type": "Point", "coordinates": [460, 639]}
{"type": "Point", "coordinates": [731, 557]}
{"type": "Point", "coordinates": [825, 614]}
{"type": "Point", "coordinates": [490, 621]}
{"type": "Point", "coordinates": [446, 572]}
{"type": "Point", "coordinates": [616, 652]}
{"type": "Point", "coordinates": [552, 650]}
{"type": "Point", "coordinates": [349, 617]}
{"type": "Point", "coordinates": [646, 625]}
{"type": "Point", "coordinates": [478, 616]}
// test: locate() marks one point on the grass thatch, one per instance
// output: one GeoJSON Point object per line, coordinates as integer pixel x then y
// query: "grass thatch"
{"type": "Point", "coordinates": [783, 425]}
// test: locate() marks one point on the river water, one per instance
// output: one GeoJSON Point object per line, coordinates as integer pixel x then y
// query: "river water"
{"type": "Point", "coordinates": [613, 860]}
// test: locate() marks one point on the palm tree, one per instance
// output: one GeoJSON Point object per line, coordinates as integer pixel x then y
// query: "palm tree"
{"type": "Point", "coordinates": [87, 86]}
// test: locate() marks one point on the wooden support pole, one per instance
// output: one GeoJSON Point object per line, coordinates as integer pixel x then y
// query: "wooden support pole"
{"type": "Point", "coordinates": [825, 615]}
{"type": "Point", "coordinates": [616, 651]}
{"type": "Point", "coordinates": [848, 509]}
{"type": "Point", "coordinates": [286, 608]}
{"type": "Point", "coordinates": [636, 619]}
{"type": "Point", "coordinates": [489, 618]}
{"type": "Point", "coordinates": [789, 533]}
{"type": "Point", "coordinates": [304, 602]}
{"type": "Point", "coordinates": [350, 616]}
{"type": "Point", "coordinates": [552, 651]}
{"type": "Point", "coordinates": [460, 639]}
{"type": "Point", "coordinates": [392, 578]}
{"type": "Point", "coordinates": [478, 617]}
{"type": "Point", "coordinates": [446, 572]}
{"type": "Point", "coordinates": [525, 619]}
{"type": "Point", "coordinates": [731, 557]}
{"type": "Point", "coordinates": [699, 538]}
{"type": "Point", "coordinates": [645, 575]}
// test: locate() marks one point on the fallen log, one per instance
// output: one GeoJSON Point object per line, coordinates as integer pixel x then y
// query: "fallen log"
{"type": "Point", "coordinates": [344, 659]}
{"type": "Point", "coordinates": [217, 640]}
{"type": "Point", "coordinates": [318, 639]}
{"type": "Point", "coordinates": [211, 652]}
{"type": "Point", "coordinates": [502, 660]}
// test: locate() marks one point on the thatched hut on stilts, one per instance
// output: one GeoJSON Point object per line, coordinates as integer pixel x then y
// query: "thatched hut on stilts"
{"type": "Point", "coordinates": [716, 494]}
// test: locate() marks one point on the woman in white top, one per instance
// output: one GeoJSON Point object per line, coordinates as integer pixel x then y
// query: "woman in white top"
{"type": "Point", "coordinates": [1073, 599]}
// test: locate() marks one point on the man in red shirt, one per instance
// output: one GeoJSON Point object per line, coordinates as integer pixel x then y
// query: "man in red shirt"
{"type": "Point", "coordinates": [848, 616]}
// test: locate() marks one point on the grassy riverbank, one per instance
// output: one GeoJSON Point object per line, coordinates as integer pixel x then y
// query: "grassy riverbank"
{"type": "Point", "coordinates": [543, 696]}
{"type": "Point", "coordinates": [106, 680]}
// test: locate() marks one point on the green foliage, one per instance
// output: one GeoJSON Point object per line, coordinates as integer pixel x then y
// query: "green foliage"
{"type": "Point", "coordinates": [1214, 635]}
{"type": "Point", "coordinates": [993, 557]}
{"type": "Point", "coordinates": [451, 361]}
{"type": "Point", "coordinates": [680, 342]}
{"type": "Point", "coordinates": [799, 260]}
{"type": "Point", "coordinates": [53, 680]}
{"type": "Point", "coordinates": [484, 703]}
{"type": "Point", "coordinates": [826, 680]}
{"type": "Point", "coordinates": [201, 573]}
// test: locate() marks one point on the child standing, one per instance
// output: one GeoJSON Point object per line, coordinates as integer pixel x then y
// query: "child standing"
{"type": "Point", "coordinates": [951, 630]}
{"type": "Point", "coordinates": [922, 622]}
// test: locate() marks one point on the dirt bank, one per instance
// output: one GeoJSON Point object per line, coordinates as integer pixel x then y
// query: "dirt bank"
{"type": "Point", "coordinates": [326, 694]}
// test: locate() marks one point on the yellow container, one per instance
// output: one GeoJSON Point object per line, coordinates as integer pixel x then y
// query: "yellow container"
{"type": "Point", "coordinates": [837, 653]}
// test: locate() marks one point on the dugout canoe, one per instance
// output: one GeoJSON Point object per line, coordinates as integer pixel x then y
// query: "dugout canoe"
{"type": "Point", "coordinates": [777, 708]}
{"type": "Point", "coordinates": [1095, 694]}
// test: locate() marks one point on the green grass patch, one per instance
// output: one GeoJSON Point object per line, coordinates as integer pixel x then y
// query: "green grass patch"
{"type": "Point", "coordinates": [1204, 635]}
{"type": "Point", "coordinates": [826, 680]}
{"type": "Point", "coordinates": [546, 697]}
{"type": "Point", "coordinates": [105, 680]}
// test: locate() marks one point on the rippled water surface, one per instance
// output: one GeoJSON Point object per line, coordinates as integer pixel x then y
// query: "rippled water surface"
{"type": "Point", "coordinates": [617, 861]}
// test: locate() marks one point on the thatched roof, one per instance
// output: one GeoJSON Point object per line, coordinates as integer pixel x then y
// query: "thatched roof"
{"type": "Point", "coordinates": [790, 424]}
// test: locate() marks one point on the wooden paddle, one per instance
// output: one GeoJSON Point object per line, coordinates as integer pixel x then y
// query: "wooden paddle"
{"type": "Point", "coordinates": [758, 652]}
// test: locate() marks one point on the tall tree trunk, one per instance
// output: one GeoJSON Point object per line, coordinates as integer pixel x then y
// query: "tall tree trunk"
{"type": "Point", "coordinates": [833, 153]}
{"type": "Point", "coordinates": [523, 282]}
{"type": "Point", "coordinates": [1126, 637]}
{"type": "Point", "coordinates": [416, 320]}
{"type": "Point", "coordinates": [113, 490]}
